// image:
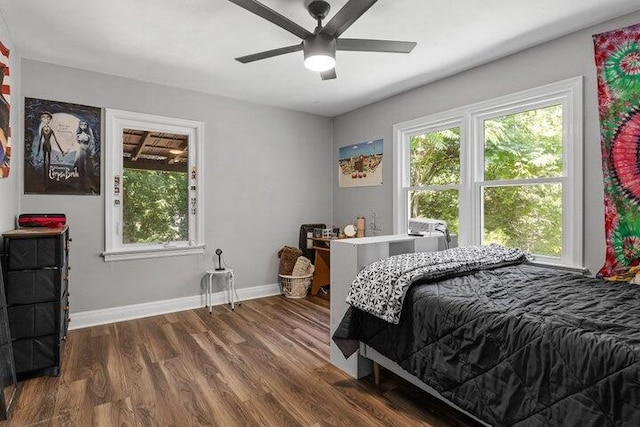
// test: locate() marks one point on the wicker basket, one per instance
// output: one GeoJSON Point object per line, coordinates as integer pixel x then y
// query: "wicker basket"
{"type": "Point", "coordinates": [295, 286]}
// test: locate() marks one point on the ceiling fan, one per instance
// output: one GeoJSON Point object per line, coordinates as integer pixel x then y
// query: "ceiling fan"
{"type": "Point", "coordinates": [320, 47]}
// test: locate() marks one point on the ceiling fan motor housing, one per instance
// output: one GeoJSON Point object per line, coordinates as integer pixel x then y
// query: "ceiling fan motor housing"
{"type": "Point", "coordinates": [319, 44]}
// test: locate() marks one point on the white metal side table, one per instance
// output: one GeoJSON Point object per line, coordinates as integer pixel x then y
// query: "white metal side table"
{"type": "Point", "coordinates": [227, 275]}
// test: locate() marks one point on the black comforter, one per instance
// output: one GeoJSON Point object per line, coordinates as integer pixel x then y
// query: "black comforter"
{"type": "Point", "coordinates": [518, 345]}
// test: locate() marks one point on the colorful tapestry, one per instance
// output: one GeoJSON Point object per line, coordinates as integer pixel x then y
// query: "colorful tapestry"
{"type": "Point", "coordinates": [5, 129]}
{"type": "Point", "coordinates": [617, 57]}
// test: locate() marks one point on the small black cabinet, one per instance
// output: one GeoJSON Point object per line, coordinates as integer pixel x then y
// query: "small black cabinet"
{"type": "Point", "coordinates": [37, 291]}
{"type": "Point", "coordinates": [8, 381]}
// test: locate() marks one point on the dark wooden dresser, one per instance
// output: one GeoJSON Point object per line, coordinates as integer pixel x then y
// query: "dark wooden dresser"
{"type": "Point", "coordinates": [36, 281]}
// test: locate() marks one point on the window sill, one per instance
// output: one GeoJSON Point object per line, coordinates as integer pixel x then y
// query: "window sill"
{"type": "Point", "coordinates": [152, 253]}
{"type": "Point", "coordinates": [559, 266]}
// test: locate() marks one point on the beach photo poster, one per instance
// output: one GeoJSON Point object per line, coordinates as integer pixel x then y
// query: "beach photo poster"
{"type": "Point", "coordinates": [62, 147]}
{"type": "Point", "coordinates": [360, 165]}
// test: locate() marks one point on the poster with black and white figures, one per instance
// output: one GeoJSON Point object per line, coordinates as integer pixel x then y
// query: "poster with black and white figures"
{"type": "Point", "coordinates": [62, 147]}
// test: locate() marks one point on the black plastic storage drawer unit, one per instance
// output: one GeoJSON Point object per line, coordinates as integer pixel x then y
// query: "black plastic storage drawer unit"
{"type": "Point", "coordinates": [37, 289]}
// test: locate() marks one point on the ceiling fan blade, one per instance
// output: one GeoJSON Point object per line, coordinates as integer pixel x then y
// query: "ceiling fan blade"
{"type": "Point", "coordinates": [329, 74]}
{"type": "Point", "coordinates": [269, 53]}
{"type": "Point", "coordinates": [368, 45]}
{"type": "Point", "coordinates": [346, 16]}
{"type": "Point", "coordinates": [273, 17]}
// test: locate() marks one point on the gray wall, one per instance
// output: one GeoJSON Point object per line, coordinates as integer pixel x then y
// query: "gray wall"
{"type": "Point", "coordinates": [557, 60]}
{"type": "Point", "coordinates": [267, 171]}
{"type": "Point", "coordinates": [9, 187]}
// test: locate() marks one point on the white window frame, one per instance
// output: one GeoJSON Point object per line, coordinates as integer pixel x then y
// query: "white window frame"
{"type": "Point", "coordinates": [116, 122]}
{"type": "Point", "coordinates": [470, 118]}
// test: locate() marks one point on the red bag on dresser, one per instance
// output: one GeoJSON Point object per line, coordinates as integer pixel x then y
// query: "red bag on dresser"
{"type": "Point", "coordinates": [42, 220]}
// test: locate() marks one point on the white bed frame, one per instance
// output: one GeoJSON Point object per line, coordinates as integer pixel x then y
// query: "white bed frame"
{"type": "Point", "coordinates": [375, 357]}
{"type": "Point", "coordinates": [348, 257]}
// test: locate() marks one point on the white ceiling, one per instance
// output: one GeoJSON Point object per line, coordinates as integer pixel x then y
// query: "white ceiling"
{"type": "Point", "coordinates": [192, 43]}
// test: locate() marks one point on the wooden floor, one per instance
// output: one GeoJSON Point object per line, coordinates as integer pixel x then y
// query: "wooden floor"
{"type": "Point", "coordinates": [266, 364]}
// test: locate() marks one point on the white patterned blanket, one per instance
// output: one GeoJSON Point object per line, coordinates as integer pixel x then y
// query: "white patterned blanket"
{"type": "Point", "coordinates": [380, 287]}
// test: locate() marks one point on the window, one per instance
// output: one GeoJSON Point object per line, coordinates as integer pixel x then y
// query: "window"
{"type": "Point", "coordinates": [434, 161]}
{"type": "Point", "coordinates": [153, 195]}
{"type": "Point", "coordinates": [522, 177]}
{"type": "Point", "coordinates": [505, 171]}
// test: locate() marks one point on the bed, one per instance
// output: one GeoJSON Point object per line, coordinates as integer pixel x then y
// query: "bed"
{"type": "Point", "coordinates": [512, 343]}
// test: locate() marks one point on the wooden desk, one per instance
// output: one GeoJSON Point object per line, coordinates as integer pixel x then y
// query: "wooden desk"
{"type": "Point", "coordinates": [322, 264]}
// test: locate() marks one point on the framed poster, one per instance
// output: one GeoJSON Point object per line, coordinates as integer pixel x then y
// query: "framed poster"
{"type": "Point", "coordinates": [360, 165]}
{"type": "Point", "coordinates": [62, 147]}
{"type": "Point", "coordinates": [5, 130]}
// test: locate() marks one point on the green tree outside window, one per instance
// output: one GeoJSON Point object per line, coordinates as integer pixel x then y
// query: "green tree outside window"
{"type": "Point", "coordinates": [521, 146]}
{"type": "Point", "coordinates": [155, 206]}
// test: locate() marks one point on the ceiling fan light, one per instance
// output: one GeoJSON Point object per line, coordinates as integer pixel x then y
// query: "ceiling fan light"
{"type": "Point", "coordinates": [319, 52]}
{"type": "Point", "coordinates": [320, 62]}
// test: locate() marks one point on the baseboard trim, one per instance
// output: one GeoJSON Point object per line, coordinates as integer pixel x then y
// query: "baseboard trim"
{"type": "Point", "coordinates": [85, 319]}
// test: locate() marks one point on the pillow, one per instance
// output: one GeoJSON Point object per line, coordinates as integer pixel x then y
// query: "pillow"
{"type": "Point", "coordinates": [303, 267]}
{"type": "Point", "coordinates": [629, 275]}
